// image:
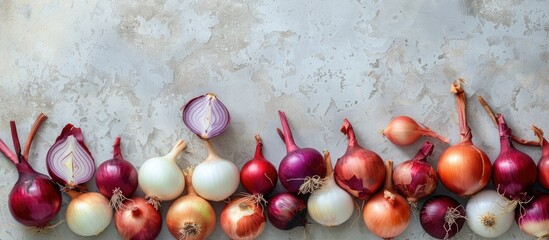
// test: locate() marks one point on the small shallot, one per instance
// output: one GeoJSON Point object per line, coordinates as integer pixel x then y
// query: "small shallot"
{"type": "Point", "coordinates": [404, 130]}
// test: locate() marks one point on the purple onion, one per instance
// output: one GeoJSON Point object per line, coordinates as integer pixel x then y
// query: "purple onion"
{"type": "Point", "coordinates": [287, 211]}
{"type": "Point", "coordinates": [514, 172]}
{"type": "Point", "coordinates": [116, 178]}
{"type": "Point", "coordinates": [206, 116]}
{"type": "Point", "coordinates": [300, 165]}
{"type": "Point", "coordinates": [69, 161]}
{"type": "Point", "coordinates": [442, 217]}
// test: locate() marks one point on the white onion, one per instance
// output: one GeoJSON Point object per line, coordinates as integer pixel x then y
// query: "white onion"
{"type": "Point", "coordinates": [161, 178]}
{"type": "Point", "coordinates": [215, 178]}
{"type": "Point", "coordinates": [486, 215]}
{"type": "Point", "coordinates": [330, 205]}
{"type": "Point", "coordinates": [88, 214]}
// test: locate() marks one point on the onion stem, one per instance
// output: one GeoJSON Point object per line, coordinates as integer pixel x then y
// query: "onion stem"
{"type": "Point", "coordinates": [7, 152]}
{"type": "Point", "coordinates": [465, 130]}
{"type": "Point", "coordinates": [34, 129]}
{"type": "Point", "coordinates": [389, 175]}
{"type": "Point", "coordinates": [15, 139]}
{"type": "Point", "coordinates": [211, 151]}
{"type": "Point", "coordinates": [493, 117]}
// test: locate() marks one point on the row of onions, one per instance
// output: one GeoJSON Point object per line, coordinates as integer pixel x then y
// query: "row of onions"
{"type": "Point", "coordinates": [314, 186]}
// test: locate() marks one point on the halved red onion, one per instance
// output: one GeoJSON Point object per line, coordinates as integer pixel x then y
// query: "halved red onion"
{"type": "Point", "coordinates": [206, 116]}
{"type": "Point", "coordinates": [69, 161]}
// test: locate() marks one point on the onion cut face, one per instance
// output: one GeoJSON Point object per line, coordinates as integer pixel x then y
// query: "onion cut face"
{"type": "Point", "coordinates": [359, 171]}
{"type": "Point", "coordinates": [69, 161]}
{"type": "Point", "coordinates": [35, 199]}
{"type": "Point", "coordinates": [464, 169]}
{"type": "Point", "coordinates": [206, 116]}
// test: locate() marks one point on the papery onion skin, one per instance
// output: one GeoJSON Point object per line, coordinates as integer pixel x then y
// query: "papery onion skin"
{"type": "Point", "coordinates": [415, 178]}
{"type": "Point", "coordinates": [88, 214]}
{"type": "Point", "coordinates": [486, 215]}
{"type": "Point", "coordinates": [70, 151]}
{"type": "Point", "coordinates": [116, 173]}
{"type": "Point", "coordinates": [514, 172]}
{"type": "Point", "coordinates": [137, 220]}
{"type": "Point", "coordinates": [243, 218]}
{"type": "Point", "coordinates": [359, 171]}
{"type": "Point", "coordinates": [287, 211]}
{"type": "Point", "coordinates": [387, 214]}
{"type": "Point", "coordinates": [464, 169]}
{"type": "Point", "coordinates": [215, 178]}
{"type": "Point", "coordinates": [404, 130]}
{"type": "Point", "coordinates": [299, 163]}
{"type": "Point", "coordinates": [258, 175]}
{"type": "Point", "coordinates": [190, 217]}
{"type": "Point", "coordinates": [35, 199]}
{"type": "Point", "coordinates": [435, 214]}
{"type": "Point", "coordinates": [206, 116]}
{"type": "Point", "coordinates": [533, 217]}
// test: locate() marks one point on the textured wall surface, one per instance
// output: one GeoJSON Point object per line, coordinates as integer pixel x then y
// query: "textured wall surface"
{"type": "Point", "coordinates": [125, 68]}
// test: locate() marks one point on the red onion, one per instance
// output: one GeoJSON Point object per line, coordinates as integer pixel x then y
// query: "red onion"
{"type": "Point", "coordinates": [359, 171]}
{"type": "Point", "coordinates": [415, 178]}
{"type": "Point", "coordinates": [258, 175]}
{"type": "Point", "coordinates": [69, 161]}
{"type": "Point", "coordinates": [301, 168]}
{"type": "Point", "coordinates": [243, 218]}
{"type": "Point", "coordinates": [533, 217]}
{"type": "Point", "coordinates": [442, 217]}
{"type": "Point", "coordinates": [404, 130]}
{"type": "Point", "coordinates": [287, 211]}
{"type": "Point", "coordinates": [464, 169]}
{"type": "Point", "coordinates": [514, 172]}
{"type": "Point", "coordinates": [35, 199]}
{"type": "Point", "coordinates": [116, 178]}
{"type": "Point", "coordinates": [137, 220]}
{"type": "Point", "coordinates": [387, 214]}
{"type": "Point", "coordinates": [206, 116]}
{"type": "Point", "coordinates": [543, 163]}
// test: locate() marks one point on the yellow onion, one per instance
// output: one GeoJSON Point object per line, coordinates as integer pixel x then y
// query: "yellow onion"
{"type": "Point", "coordinates": [387, 214]}
{"type": "Point", "coordinates": [190, 217]}
{"type": "Point", "coordinates": [464, 169]}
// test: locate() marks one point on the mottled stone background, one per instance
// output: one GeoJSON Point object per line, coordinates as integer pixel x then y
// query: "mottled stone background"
{"type": "Point", "coordinates": [117, 68]}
